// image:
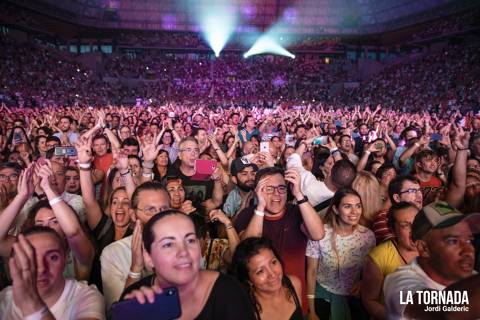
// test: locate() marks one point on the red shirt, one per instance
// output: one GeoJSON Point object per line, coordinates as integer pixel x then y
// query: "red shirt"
{"type": "Point", "coordinates": [380, 227]}
{"type": "Point", "coordinates": [103, 163]}
{"type": "Point", "coordinates": [432, 190]}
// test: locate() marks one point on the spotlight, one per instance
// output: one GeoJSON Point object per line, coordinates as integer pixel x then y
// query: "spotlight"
{"type": "Point", "coordinates": [265, 44]}
{"type": "Point", "coordinates": [217, 25]}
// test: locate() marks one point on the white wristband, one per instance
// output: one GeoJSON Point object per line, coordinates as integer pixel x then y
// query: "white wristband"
{"type": "Point", "coordinates": [37, 315]}
{"type": "Point", "coordinates": [149, 165]}
{"type": "Point", "coordinates": [87, 165]}
{"type": "Point", "coordinates": [134, 275]}
{"type": "Point", "coordinates": [54, 201]}
{"type": "Point", "coordinates": [259, 213]}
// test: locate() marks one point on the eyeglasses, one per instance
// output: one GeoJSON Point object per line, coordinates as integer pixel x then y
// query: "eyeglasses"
{"type": "Point", "coordinates": [411, 191]}
{"type": "Point", "coordinates": [282, 189]}
{"type": "Point", "coordinates": [190, 150]}
{"type": "Point", "coordinates": [151, 210]}
{"type": "Point", "coordinates": [11, 177]}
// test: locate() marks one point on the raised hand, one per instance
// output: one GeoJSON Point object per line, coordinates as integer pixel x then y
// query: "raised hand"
{"type": "Point", "coordinates": [25, 185]}
{"type": "Point", "coordinates": [45, 174]}
{"type": "Point", "coordinates": [101, 118]}
{"type": "Point", "coordinates": [149, 151]}
{"type": "Point", "coordinates": [144, 294]}
{"type": "Point", "coordinates": [84, 149]}
{"type": "Point", "coordinates": [462, 138]}
{"type": "Point", "coordinates": [120, 159]}
{"type": "Point", "coordinates": [137, 250]}
{"type": "Point", "coordinates": [219, 215]}
{"type": "Point", "coordinates": [293, 177]}
{"type": "Point", "coordinates": [424, 140]}
{"type": "Point", "coordinates": [23, 270]}
{"type": "Point", "coordinates": [261, 194]}
{"type": "Point", "coordinates": [187, 207]}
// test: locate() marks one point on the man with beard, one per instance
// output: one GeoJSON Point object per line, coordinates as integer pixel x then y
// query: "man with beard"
{"type": "Point", "coordinates": [243, 176]}
{"type": "Point", "coordinates": [66, 135]}
{"type": "Point", "coordinates": [443, 237]}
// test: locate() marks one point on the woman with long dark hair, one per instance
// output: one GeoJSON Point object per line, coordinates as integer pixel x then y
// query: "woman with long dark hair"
{"type": "Point", "coordinates": [334, 263]}
{"type": "Point", "coordinates": [274, 295]}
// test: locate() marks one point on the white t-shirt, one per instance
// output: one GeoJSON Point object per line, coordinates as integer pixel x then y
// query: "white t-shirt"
{"type": "Point", "coordinates": [338, 275]}
{"type": "Point", "coordinates": [78, 300]}
{"type": "Point", "coordinates": [116, 260]}
{"type": "Point", "coordinates": [410, 277]}
{"type": "Point", "coordinates": [316, 191]}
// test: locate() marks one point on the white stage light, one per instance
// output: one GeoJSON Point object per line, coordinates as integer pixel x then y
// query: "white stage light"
{"type": "Point", "coordinates": [265, 44]}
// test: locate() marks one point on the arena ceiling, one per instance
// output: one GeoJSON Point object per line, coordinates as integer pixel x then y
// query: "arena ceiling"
{"type": "Point", "coordinates": [302, 16]}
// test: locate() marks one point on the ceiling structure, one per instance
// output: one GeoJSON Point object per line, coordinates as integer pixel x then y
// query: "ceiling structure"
{"type": "Point", "coordinates": [316, 17]}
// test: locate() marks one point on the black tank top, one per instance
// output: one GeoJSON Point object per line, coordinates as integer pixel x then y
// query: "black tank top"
{"type": "Point", "coordinates": [297, 314]}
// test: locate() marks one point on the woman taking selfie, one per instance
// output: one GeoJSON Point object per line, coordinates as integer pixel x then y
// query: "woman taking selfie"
{"type": "Point", "coordinates": [172, 249]}
{"type": "Point", "coordinates": [334, 263]}
{"type": "Point", "coordinates": [273, 294]}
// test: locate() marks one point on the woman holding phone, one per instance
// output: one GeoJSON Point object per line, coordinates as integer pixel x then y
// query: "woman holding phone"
{"type": "Point", "coordinates": [172, 249]}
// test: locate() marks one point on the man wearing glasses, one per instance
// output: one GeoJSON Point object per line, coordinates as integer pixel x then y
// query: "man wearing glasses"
{"type": "Point", "coordinates": [404, 188]}
{"type": "Point", "coordinates": [9, 173]}
{"type": "Point", "coordinates": [288, 226]}
{"type": "Point", "coordinates": [122, 260]}
{"type": "Point", "coordinates": [206, 194]}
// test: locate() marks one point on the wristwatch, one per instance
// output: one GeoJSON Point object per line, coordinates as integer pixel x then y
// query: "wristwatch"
{"type": "Point", "coordinates": [305, 199]}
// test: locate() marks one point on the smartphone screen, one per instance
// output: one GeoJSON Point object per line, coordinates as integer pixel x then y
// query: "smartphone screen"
{"type": "Point", "coordinates": [204, 169]}
{"type": "Point", "coordinates": [60, 151]}
{"type": "Point", "coordinates": [165, 307]}
{"type": "Point", "coordinates": [71, 151]}
{"type": "Point", "coordinates": [264, 146]}
{"type": "Point", "coordinates": [321, 140]}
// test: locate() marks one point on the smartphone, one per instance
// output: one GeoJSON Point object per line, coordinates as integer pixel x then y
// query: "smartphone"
{"type": "Point", "coordinates": [204, 169]}
{"type": "Point", "coordinates": [321, 140]}
{"type": "Point", "coordinates": [65, 151]}
{"type": "Point", "coordinates": [171, 114]}
{"type": "Point", "coordinates": [435, 137]}
{"type": "Point", "coordinates": [17, 136]}
{"type": "Point", "coordinates": [265, 146]}
{"type": "Point", "coordinates": [378, 146]}
{"type": "Point", "coordinates": [165, 307]}
{"type": "Point", "coordinates": [289, 140]}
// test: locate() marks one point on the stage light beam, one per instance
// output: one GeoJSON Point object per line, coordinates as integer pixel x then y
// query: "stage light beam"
{"type": "Point", "coordinates": [266, 44]}
{"type": "Point", "coordinates": [217, 25]}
